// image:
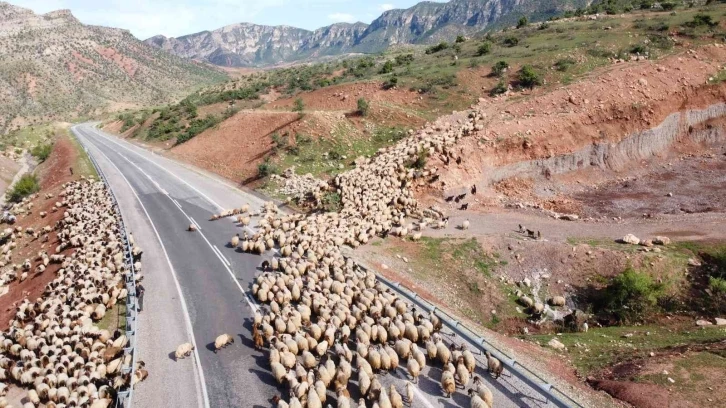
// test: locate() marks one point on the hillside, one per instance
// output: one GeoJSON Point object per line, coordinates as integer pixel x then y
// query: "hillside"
{"type": "Point", "coordinates": [53, 67]}
{"type": "Point", "coordinates": [247, 44]}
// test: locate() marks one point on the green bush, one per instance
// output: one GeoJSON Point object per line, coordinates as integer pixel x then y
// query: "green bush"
{"type": "Point", "coordinates": [387, 67]}
{"type": "Point", "coordinates": [700, 20]}
{"type": "Point", "coordinates": [499, 88]}
{"type": "Point", "coordinates": [630, 297]}
{"type": "Point", "coordinates": [303, 139]}
{"type": "Point", "coordinates": [511, 41]}
{"type": "Point", "coordinates": [27, 185]}
{"type": "Point", "coordinates": [500, 68]}
{"type": "Point", "coordinates": [638, 49]}
{"type": "Point", "coordinates": [363, 107]}
{"type": "Point", "coordinates": [564, 64]}
{"type": "Point", "coordinates": [460, 39]}
{"type": "Point", "coordinates": [41, 152]}
{"type": "Point", "coordinates": [299, 105]}
{"type": "Point", "coordinates": [196, 127]}
{"type": "Point", "coordinates": [404, 59]}
{"type": "Point", "coordinates": [523, 22]}
{"type": "Point", "coordinates": [266, 168]}
{"type": "Point", "coordinates": [332, 202]}
{"type": "Point", "coordinates": [528, 77]}
{"type": "Point", "coordinates": [438, 47]}
{"type": "Point", "coordinates": [390, 82]}
{"type": "Point", "coordinates": [668, 6]}
{"type": "Point", "coordinates": [420, 161]}
{"type": "Point", "coordinates": [279, 140]}
{"type": "Point", "coordinates": [484, 48]}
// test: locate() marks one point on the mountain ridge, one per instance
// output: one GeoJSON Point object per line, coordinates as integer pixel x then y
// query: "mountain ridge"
{"type": "Point", "coordinates": [54, 67]}
{"type": "Point", "coordinates": [249, 44]}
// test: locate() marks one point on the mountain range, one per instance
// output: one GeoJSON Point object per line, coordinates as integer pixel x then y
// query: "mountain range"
{"type": "Point", "coordinates": [245, 44]}
{"type": "Point", "coordinates": [53, 67]}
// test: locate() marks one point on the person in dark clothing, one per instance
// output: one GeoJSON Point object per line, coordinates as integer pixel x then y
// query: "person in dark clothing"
{"type": "Point", "coordinates": [140, 296]}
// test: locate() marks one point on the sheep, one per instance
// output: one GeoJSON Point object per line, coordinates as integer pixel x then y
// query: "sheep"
{"type": "Point", "coordinates": [483, 391]}
{"type": "Point", "coordinates": [183, 350]}
{"type": "Point", "coordinates": [557, 301]}
{"type": "Point", "coordinates": [234, 242]}
{"type": "Point", "coordinates": [477, 401]}
{"type": "Point", "coordinates": [448, 384]}
{"type": "Point", "coordinates": [192, 228]}
{"type": "Point", "coordinates": [465, 225]}
{"type": "Point", "coordinates": [494, 366]}
{"type": "Point", "coordinates": [409, 393]}
{"type": "Point", "coordinates": [395, 397]}
{"type": "Point", "coordinates": [414, 369]}
{"type": "Point", "coordinates": [223, 340]}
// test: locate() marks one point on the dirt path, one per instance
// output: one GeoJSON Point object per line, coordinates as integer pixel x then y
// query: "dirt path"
{"type": "Point", "coordinates": [687, 227]}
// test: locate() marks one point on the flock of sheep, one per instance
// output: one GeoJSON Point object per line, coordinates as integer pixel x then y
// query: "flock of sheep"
{"type": "Point", "coordinates": [326, 318]}
{"type": "Point", "coordinates": [53, 346]}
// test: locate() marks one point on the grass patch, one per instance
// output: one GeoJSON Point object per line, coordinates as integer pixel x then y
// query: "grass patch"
{"type": "Point", "coordinates": [602, 347]}
{"type": "Point", "coordinates": [83, 165]}
{"type": "Point", "coordinates": [114, 318]}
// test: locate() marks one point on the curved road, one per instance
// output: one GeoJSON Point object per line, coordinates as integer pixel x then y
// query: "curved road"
{"type": "Point", "coordinates": [197, 289]}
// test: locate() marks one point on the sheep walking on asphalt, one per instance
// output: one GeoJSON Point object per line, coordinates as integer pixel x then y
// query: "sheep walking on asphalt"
{"type": "Point", "coordinates": [184, 350]}
{"type": "Point", "coordinates": [222, 341]}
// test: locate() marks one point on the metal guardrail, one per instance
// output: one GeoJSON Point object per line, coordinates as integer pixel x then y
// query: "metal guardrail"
{"type": "Point", "coordinates": [124, 396]}
{"type": "Point", "coordinates": [538, 383]}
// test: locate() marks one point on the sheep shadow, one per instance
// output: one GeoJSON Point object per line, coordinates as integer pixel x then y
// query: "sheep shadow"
{"type": "Point", "coordinates": [211, 347]}
{"type": "Point", "coordinates": [267, 378]}
{"type": "Point", "coordinates": [172, 356]}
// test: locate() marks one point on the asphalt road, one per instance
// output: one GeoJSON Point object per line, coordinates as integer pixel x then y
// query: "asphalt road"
{"type": "Point", "coordinates": [196, 289]}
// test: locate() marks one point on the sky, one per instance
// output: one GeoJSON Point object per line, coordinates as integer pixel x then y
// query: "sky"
{"type": "Point", "coordinates": [145, 18]}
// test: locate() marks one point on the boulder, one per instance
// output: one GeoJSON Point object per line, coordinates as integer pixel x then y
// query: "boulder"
{"type": "Point", "coordinates": [556, 344]}
{"type": "Point", "coordinates": [701, 322]}
{"type": "Point", "coordinates": [630, 239]}
{"type": "Point", "coordinates": [720, 322]}
{"type": "Point", "coordinates": [661, 240]}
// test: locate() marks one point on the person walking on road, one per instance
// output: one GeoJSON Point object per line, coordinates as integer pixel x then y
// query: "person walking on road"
{"type": "Point", "coordinates": [140, 296]}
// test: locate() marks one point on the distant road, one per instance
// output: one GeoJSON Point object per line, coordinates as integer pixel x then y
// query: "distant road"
{"type": "Point", "coordinates": [197, 289]}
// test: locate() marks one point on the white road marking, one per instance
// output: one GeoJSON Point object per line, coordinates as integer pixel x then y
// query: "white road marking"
{"type": "Point", "coordinates": [222, 255]}
{"type": "Point", "coordinates": [222, 260]}
{"type": "Point", "coordinates": [204, 398]}
{"type": "Point", "coordinates": [219, 207]}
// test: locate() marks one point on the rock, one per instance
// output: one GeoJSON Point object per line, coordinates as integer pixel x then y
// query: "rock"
{"type": "Point", "coordinates": [384, 266]}
{"type": "Point", "coordinates": [556, 344]}
{"type": "Point", "coordinates": [661, 240]}
{"type": "Point", "coordinates": [642, 82]}
{"type": "Point", "coordinates": [720, 321]}
{"type": "Point", "coordinates": [630, 239]}
{"type": "Point", "coordinates": [694, 262]}
{"type": "Point", "coordinates": [670, 380]}
{"type": "Point", "coordinates": [627, 335]}
{"type": "Point", "coordinates": [569, 217]}
{"type": "Point", "coordinates": [647, 243]}
{"type": "Point", "coordinates": [701, 322]}
{"type": "Point", "coordinates": [669, 195]}
{"type": "Point", "coordinates": [652, 354]}
{"type": "Point", "coordinates": [527, 282]}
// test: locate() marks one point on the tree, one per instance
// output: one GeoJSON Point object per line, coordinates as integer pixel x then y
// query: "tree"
{"type": "Point", "coordinates": [528, 77]}
{"type": "Point", "coordinates": [498, 89]}
{"type": "Point", "coordinates": [299, 105]}
{"type": "Point", "coordinates": [523, 22]}
{"type": "Point", "coordinates": [484, 48]}
{"type": "Point", "coordinates": [460, 39]}
{"type": "Point", "coordinates": [363, 107]}
{"type": "Point", "coordinates": [500, 68]}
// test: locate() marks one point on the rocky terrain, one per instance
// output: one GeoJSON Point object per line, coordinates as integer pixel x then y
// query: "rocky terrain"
{"type": "Point", "coordinates": [52, 67]}
{"type": "Point", "coordinates": [247, 44]}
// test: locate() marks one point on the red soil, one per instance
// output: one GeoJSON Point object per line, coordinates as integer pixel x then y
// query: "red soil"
{"type": "Point", "coordinates": [52, 173]}
{"type": "Point", "coordinates": [236, 146]}
{"type": "Point", "coordinates": [129, 65]}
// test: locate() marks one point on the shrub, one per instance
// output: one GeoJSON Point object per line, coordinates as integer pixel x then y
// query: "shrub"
{"type": "Point", "coordinates": [196, 127]}
{"type": "Point", "coordinates": [266, 168]}
{"type": "Point", "coordinates": [420, 161]}
{"type": "Point", "coordinates": [564, 64]}
{"type": "Point", "coordinates": [438, 47]}
{"type": "Point", "coordinates": [404, 59]}
{"type": "Point", "coordinates": [638, 49]}
{"type": "Point", "coordinates": [498, 89]}
{"type": "Point", "coordinates": [500, 68]}
{"type": "Point", "coordinates": [280, 141]}
{"type": "Point", "coordinates": [299, 105]}
{"type": "Point", "coordinates": [630, 297]}
{"type": "Point", "coordinates": [484, 48]}
{"type": "Point", "coordinates": [27, 185]}
{"type": "Point", "coordinates": [303, 139]}
{"type": "Point", "coordinates": [390, 82]}
{"type": "Point", "coordinates": [460, 39]}
{"type": "Point", "coordinates": [528, 77]}
{"type": "Point", "coordinates": [332, 202]}
{"type": "Point", "coordinates": [668, 6]}
{"type": "Point", "coordinates": [41, 152]}
{"type": "Point", "coordinates": [511, 41]}
{"type": "Point", "coordinates": [523, 22]}
{"type": "Point", "coordinates": [701, 20]}
{"type": "Point", "coordinates": [387, 67]}
{"type": "Point", "coordinates": [363, 107]}
{"type": "Point", "coordinates": [388, 135]}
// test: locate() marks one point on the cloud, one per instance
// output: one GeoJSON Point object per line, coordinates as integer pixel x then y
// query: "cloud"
{"type": "Point", "coordinates": [342, 17]}
{"type": "Point", "coordinates": [386, 7]}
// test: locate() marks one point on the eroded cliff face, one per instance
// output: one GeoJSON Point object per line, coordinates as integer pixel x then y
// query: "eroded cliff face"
{"type": "Point", "coordinates": [427, 22]}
